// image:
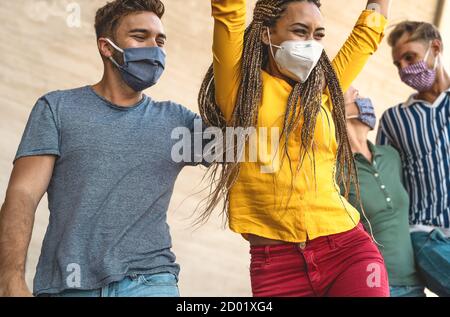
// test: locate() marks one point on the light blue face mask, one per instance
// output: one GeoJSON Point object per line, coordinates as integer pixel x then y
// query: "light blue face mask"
{"type": "Point", "coordinates": [366, 112]}
{"type": "Point", "coordinates": [142, 67]}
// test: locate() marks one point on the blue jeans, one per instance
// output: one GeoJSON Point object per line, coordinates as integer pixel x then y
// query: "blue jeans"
{"type": "Point", "coordinates": [432, 252]}
{"type": "Point", "coordinates": [407, 291]}
{"type": "Point", "coordinates": [146, 285]}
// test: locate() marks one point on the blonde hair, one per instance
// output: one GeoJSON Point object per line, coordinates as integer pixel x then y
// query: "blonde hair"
{"type": "Point", "coordinates": [418, 31]}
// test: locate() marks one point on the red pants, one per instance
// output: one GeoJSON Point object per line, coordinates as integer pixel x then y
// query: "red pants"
{"type": "Point", "coordinates": [347, 264]}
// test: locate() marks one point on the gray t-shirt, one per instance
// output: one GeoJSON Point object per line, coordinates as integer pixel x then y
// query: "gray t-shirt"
{"type": "Point", "coordinates": [110, 189]}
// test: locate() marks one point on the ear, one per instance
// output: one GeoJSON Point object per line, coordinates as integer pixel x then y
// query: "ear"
{"type": "Point", "coordinates": [436, 47]}
{"type": "Point", "coordinates": [265, 36]}
{"type": "Point", "coordinates": [104, 47]}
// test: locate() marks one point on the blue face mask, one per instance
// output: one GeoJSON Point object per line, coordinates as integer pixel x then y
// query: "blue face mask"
{"type": "Point", "coordinates": [366, 112]}
{"type": "Point", "coordinates": [142, 67]}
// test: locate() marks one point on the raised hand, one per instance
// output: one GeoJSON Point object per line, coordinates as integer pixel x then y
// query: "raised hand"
{"type": "Point", "coordinates": [381, 6]}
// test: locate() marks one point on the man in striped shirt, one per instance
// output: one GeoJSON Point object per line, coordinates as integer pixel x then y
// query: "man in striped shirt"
{"type": "Point", "coordinates": [420, 130]}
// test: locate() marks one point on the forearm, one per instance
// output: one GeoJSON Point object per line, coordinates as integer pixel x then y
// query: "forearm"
{"type": "Point", "coordinates": [381, 6]}
{"type": "Point", "coordinates": [29, 182]}
{"type": "Point", "coordinates": [16, 226]}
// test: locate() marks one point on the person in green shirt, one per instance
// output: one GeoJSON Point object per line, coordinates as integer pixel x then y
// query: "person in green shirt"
{"type": "Point", "coordinates": [384, 200]}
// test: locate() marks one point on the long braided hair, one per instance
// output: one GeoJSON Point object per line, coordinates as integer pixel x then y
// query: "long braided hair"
{"type": "Point", "coordinates": [303, 107]}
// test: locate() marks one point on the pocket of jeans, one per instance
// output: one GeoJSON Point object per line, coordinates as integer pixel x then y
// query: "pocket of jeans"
{"type": "Point", "coordinates": [165, 279]}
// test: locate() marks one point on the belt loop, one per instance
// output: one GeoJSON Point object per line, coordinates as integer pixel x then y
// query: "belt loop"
{"type": "Point", "coordinates": [267, 253]}
{"type": "Point", "coordinates": [331, 242]}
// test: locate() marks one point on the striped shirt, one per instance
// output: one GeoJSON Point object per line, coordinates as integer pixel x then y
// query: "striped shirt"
{"type": "Point", "coordinates": [420, 131]}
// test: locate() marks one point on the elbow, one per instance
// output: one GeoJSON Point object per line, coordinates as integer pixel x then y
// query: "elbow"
{"type": "Point", "coordinates": [19, 199]}
{"type": "Point", "coordinates": [231, 16]}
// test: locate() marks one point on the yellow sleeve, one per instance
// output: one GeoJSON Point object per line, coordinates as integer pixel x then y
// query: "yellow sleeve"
{"type": "Point", "coordinates": [362, 43]}
{"type": "Point", "coordinates": [229, 28]}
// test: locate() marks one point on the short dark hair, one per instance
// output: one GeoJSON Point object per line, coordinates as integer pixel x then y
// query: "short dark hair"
{"type": "Point", "coordinates": [108, 16]}
{"type": "Point", "coordinates": [419, 31]}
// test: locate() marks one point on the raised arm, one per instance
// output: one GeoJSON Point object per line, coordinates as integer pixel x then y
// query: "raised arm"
{"type": "Point", "coordinates": [229, 28]}
{"type": "Point", "coordinates": [28, 183]}
{"type": "Point", "coordinates": [362, 43]}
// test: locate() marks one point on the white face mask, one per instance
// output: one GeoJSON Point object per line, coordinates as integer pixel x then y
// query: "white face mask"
{"type": "Point", "coordinates": [297, 59]}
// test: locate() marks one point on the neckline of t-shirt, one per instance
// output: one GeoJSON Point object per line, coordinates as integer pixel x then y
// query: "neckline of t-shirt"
{"type": "Point", "coordinates": [144, 100]}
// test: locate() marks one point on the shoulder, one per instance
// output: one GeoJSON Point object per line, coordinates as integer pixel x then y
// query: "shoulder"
{"type": "Point", "coordinates": [389, 151]}
{"type": "Point", "coordinates": [394, 109]}
{"type": "Point", "coordinates": [57, 98]}
{"type": "Point", "coordinates": [392, 112]}
{"type": "Point", "coordinates": [174, 110]}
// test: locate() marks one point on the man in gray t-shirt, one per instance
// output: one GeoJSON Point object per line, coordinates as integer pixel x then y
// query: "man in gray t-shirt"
{"type": "Point", "coordinates": [103, 155]}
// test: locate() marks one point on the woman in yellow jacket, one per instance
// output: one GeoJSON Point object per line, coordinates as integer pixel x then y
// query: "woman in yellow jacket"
{"type": "Point", "coordinates": [306, 239]}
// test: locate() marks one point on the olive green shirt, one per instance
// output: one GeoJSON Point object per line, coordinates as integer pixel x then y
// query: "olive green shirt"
{"type": "Point", "coordinates": [386, 205]}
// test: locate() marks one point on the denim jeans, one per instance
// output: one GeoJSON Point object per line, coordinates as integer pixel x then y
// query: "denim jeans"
{"type": "Point", "coordinates": [146, 285]}
{"type": "Point", "coordinates": [407, 291]}
{"type": "Point", "coordinates": [432, 252]}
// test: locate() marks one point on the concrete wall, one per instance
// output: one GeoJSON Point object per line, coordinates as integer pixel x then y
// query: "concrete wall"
{"type": "Point", "coordinates": [40, 52]}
